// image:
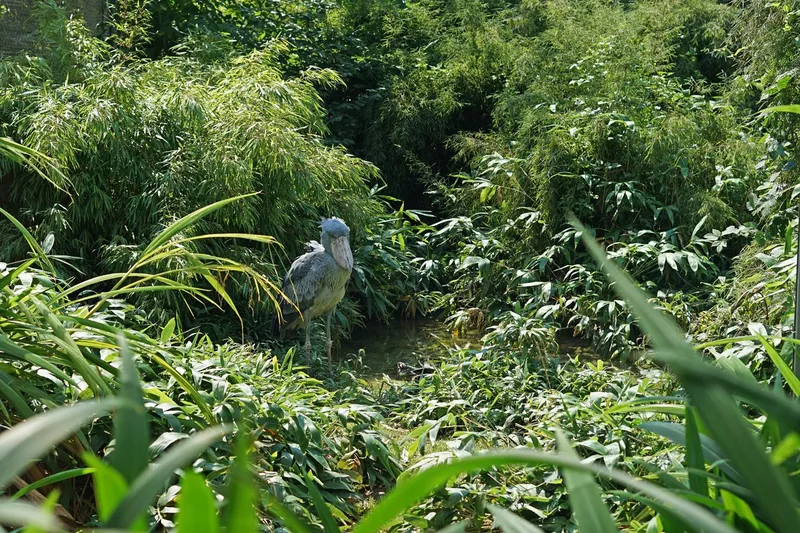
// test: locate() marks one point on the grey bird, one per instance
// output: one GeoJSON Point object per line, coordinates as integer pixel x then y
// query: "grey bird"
{"type": "Point", "coordinates": [316, 281]}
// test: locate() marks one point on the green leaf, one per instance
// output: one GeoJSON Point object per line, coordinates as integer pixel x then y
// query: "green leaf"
{"type": "Point", "coordinates": [109, 486]}
{"type": "Point", "coordinates": [184, 222]}
{"type": "Point", "coordinates": [169, 328]}
{"type": "Point", "coordinates": [197, 509]}
{"type": "Point", "coordinates": [131, 433]}
{"type": "Point", "coordinates": [791, 108]}
{"type": "Point", "coordinates": [509, 522]}
{"type": "Point", "coordinates": [328, 522]}
{"type": "Point", "coordinates": [240, 514]}
{"type": "Point", "coordinates": [739, 507]}
{"type": "Point", "coordinates": [33, 244]}
{"type": "Point", "coordinates": [713, 400]}
{"type": "Point", "coordinates": [52, 479]}
{"type": "Point", "coordinates": [150, 484]}
{"type": "Point", "coordinates": [785, 449]}
{"type": "Point", "coordinates": [48, 506]}
{"type": "Point", "coordinates": [30, 440]}
{"type": "Point", "coordinates": [584, 495]}
{"type": "Point", "coordinates": [787, 373]}
{"type": "Point", "coordinates": [694, 454]}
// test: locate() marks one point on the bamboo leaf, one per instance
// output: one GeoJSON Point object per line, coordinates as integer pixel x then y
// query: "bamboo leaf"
{"type": "Point", "coordinates": [328, 522]}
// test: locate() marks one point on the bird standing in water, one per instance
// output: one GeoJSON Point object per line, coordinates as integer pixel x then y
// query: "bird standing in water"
{"type": "Point", "coordinates": [316, 281]}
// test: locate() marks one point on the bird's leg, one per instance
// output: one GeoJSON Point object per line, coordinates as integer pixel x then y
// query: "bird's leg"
{"type": "Point", "coordinates": [308, 342]}
{"type": "Point", "coordinates": [328, 341]}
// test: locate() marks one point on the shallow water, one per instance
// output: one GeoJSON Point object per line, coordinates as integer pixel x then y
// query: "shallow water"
{"type": "Point", "coordinates": [410, 342]}
{"type": "Point", "coordinates": [413, 342]}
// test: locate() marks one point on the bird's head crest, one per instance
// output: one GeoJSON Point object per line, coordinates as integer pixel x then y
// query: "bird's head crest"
{"type": "Point", "coordinates": [334, 226]}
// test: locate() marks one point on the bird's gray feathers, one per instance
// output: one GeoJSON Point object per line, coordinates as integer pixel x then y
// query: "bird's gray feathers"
{"type": "Point", "coordinates": [315, 284]}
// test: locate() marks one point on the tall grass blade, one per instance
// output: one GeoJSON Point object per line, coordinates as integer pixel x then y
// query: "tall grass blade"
{"type": "Point", "coordinates": [33, 244]}
{"type": "Point", "coordinates": [131, 432]}
{"type": "Point", "coordinates": [584, 495]}
{"type": "Point", "coordinates": [52, 479]}
{"type": "Point", "coordinates": [186, 221]}
{"type": "Point", "coordinates": [694, 454]}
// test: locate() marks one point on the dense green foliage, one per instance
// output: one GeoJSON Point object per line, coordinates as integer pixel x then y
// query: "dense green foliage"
{"type": "Point", "coordinates": [156, 183]}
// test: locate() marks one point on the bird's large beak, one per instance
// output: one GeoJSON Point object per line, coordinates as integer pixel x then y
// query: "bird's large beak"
{"type": "Point", "coordinates": [340, 249]}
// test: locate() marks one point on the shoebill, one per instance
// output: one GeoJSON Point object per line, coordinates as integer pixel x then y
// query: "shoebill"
{"type": "Point", "coordinates": [316, 282]}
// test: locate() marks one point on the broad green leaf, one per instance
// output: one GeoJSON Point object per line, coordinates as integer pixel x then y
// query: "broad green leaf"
{"type": "Point", "coordinates": [150, 484]}
{"type": "Point", "coordinates": [509, 522]}
{"type": "Point", "coordinates": [197, 509]}
{"type": "Point", "coordinates": [737, 506]}
{"type": "Point", "coordinates": [30, 440]}
{"type": "Point", "coordinates": [712, 452]}
{"type": "Point", "coordinates": [713, 401]}
{"type": "Point", "coordinates": [131, 432]}
{"type": "Point", "coordinates": [585, 499]}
